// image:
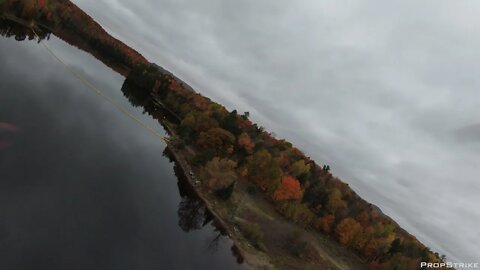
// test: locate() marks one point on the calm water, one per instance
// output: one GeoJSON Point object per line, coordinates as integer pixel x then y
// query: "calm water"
{"type": "Point", "coordinates": [81, 185]}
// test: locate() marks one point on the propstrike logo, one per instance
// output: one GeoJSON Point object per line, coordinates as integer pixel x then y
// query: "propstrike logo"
{"type": "Point", "coordinates": [427, 265]}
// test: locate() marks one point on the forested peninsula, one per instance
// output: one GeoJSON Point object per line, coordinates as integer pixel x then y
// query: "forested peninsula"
{"type": "Point", "coordinates": [282, 209]}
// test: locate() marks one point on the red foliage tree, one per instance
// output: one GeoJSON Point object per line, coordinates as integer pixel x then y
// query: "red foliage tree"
{"type": "Point", "coordinates": [246, 143]}
{"type": "Point", "coordinates": [289, 189]}
{"type": "Point", "coordinates": [363, 219]}
{"type": "Point", "coordinates": [326, 223]}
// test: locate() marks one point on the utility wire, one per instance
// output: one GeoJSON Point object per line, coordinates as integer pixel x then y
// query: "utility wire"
{"type": "Point", "coordinates": [99, 92]}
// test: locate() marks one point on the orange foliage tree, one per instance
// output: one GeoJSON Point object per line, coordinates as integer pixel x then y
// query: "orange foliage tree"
{"type": "Point", "coordinates": [363, 218]}
{"type": "Point", "coordinates": [289, 189]}
{"type": "Point", "coordinates": [348, 230]}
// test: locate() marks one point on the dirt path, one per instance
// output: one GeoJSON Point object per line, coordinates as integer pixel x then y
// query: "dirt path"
{"type": "Point", "coordinates": [256, 209]}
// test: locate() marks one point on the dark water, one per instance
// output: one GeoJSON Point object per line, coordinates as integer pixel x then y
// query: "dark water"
{"type": "Point", "coordinates": [81, 185]}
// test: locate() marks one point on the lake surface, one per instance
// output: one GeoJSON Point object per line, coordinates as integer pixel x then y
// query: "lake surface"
{"type": "Point", "coordinates": [81, 185]}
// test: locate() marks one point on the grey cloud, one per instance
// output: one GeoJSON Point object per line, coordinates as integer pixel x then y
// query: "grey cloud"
{"type": "Point", "coordinates": [468, 134]}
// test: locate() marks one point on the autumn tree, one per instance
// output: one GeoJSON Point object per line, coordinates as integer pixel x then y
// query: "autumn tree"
{"type": "Point", "coordinates": [363, 218]}
{"type": "Point", "coordinates": [347, 230]}
{"type": "Point", "coordinates": [325, 223]}
{"type": "Point", "coordinates": [29, 9]}
{"type": "Point", "coordinates": [376, 241]}
{"type": "Point", "coordinates": [186, 128]}
{"type": "Point", "coordinates": [264, 171]}
{"type": "Point", "coordinates": [199, 102]}
{"type": "Point", "coordinates": [289, 189]}
{"type": "Point", "coordinates": [284, 161]}
{"type": "Point", "coordinates": [375, 247]}
{"type": "Point", "coordinates": [301, 170]}
{"type": "Point", "coordinates": [219, 173]}
{"type": "Point", "coordinates": [204, 156]}
{"type": "Point", "coordinates": [335, 202]}
{"type": "Point", "coordinates": [218, 139]}
{"type": "Point", "coordinates": [203, 122]}
{"type": "Point", "coordinates": [195, 122]}
{"type": "Point", "coordinates": [245, 142]}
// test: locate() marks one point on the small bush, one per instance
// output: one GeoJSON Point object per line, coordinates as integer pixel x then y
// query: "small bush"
{"type": "Point", "coordinates": [296, 244]}
{"type": "Point", "coordinates": [253, 233]}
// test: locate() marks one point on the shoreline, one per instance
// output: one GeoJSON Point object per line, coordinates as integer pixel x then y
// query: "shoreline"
{"type": "Point", "coordinates": [178, 159]}
{"type": "Point", "coordinates": [252, 260]}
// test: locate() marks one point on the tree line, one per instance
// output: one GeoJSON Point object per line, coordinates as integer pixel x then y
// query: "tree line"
{"type": "Point", "coordinates": [229, 148]}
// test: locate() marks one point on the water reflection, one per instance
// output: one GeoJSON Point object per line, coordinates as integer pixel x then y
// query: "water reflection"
{"type": "Point", "coordinates": [139, 97]}
{"type": "Point", "coordinates": [6, 131]}
{"type": "Point", "coordinates": [136, 97]}
{"type": "Point", "coordinates": [192, 213]}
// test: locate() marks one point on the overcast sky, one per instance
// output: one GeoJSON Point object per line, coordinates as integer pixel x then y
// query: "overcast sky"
{"type": "Point", "coordinates": [386, 92]}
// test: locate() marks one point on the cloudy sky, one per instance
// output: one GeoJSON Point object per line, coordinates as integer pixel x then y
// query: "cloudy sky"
{"type": "Point", "coordinates": [383, 91]}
